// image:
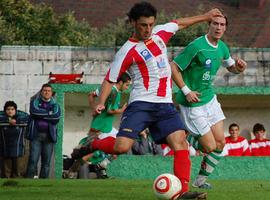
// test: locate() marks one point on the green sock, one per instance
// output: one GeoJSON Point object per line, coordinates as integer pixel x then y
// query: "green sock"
{"type": "Point", "coordinates": [194, 142]}
{"type": "Point", "coordinates": [209, 162]}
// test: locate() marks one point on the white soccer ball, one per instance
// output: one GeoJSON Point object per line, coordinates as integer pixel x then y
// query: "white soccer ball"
{"type": "Point", "coordinates": [167, 186]}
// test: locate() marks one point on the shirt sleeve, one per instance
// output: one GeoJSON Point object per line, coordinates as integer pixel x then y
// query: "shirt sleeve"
{"type": "Point", "coordinates": [166, 31]}
{"type": "Point", "coordinates": [185, 57]}
{"type": "Point", "coordinates": [121, 63]}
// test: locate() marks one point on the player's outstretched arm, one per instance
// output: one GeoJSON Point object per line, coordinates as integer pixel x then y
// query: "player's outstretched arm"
{"type": "Point", "coordinates": [188, 21]}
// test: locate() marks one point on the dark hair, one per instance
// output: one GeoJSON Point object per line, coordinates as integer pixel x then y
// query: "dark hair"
{"type": "Point", "coordinates": [124, 77]}
{"type": "Point", "coordinates": [258, 127]}
{"type": "Point", "coordinates": [45, 85]}
{"type": "Point", "coordinates": [10, 104]}
{"type": "Point", "coordinates": [140, 9]}
{"type": "Point", "coordinates": [233, 125]}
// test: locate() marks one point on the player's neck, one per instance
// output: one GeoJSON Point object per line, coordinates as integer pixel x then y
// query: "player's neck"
{"type": "Point", "coordinates": [212, 40]}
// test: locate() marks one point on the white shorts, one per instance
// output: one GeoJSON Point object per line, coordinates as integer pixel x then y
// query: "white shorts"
{"type": "Point", "coordinates": [113, 133]}
{"type": "Point", "coordinates": [198, 120]}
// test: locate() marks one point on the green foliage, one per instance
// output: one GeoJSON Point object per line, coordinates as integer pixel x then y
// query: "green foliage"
{"type": "Point", "coordinates": [22, 23]}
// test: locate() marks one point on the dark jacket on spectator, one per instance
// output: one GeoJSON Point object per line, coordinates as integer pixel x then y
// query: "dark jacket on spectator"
{"type": "Point", "coordinates": [45, 114]}
{"type": "Point", "coordinates": [12, 136]}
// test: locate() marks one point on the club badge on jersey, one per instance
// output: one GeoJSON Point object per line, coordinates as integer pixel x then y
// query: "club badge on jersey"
{"type": "Point", "coordinates": [146, 54]}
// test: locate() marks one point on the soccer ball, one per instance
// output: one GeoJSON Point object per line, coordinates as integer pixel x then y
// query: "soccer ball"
{"type": "Point", "coordinates": [167, 186]}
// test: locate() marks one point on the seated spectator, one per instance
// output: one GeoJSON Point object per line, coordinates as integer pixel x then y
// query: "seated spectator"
{"type": "Point", "coordinates": [13, 125]}
{"type": "Point", "coordinates": [260, 146]}
{"type": "Point", "coordinates": [236, 145]}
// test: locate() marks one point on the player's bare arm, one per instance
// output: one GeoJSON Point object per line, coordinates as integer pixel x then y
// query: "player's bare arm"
{"type": "Point", "coordinates": [239, 66]}
{"type": "Point", "coordinates": [191, 96]}
{"type": "Point", "coordinates": [106, 89]}
{"type": "Point", "coordinates": [208, 16]}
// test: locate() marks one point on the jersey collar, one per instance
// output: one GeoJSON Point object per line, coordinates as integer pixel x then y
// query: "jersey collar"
{"type": "Point", "coordinates": [214, 46]}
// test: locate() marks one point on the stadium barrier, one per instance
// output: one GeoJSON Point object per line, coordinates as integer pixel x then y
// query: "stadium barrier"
{"type": "Point", "coordinates": [149, 167]}
{"type": "Point", "coordinates": [242, 168]}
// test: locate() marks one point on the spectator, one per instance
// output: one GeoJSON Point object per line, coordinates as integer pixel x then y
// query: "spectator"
{"type": "Point", "coordinates": [236, 145]}
{"type": "Point", "coordinates": [13, 125]}
{"type": "Point", "coordinates": [260, 146]}
{"type": "Point", "coordinates": [44, 116]}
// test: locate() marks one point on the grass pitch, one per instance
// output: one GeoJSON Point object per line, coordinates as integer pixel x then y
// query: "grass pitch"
{"type": "Point", "coordinates": [117, 189]}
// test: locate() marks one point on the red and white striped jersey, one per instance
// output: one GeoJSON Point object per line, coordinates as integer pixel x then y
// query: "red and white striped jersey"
{"type": "Point", "coordinates": [236, 148]}
{"type": "Point", "coordinates": [260, 147]}
{"type": "Point", "coordinates": [148, 65]}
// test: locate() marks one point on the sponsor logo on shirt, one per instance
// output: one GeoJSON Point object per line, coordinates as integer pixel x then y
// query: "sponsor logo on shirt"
{"type": "Point", "coordinates": [146, 54]}
{"type": "Point", "coordinates": [161, 63]}
{"type": "Point", "coordinates": [208, 63]}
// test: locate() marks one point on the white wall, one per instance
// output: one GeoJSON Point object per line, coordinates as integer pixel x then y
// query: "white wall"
{"type": "Point", "coordinates": [24, 69]}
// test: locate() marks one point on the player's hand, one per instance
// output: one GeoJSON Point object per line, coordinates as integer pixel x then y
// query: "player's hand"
{"type": "Point", "coordinates": [213, 13]}
{"type": "Point", "coordinates": [193, 97]}
{"type": "Point", "coordinates": [99, 109]}
{"type": "Point", "coordinates": [240, 65]}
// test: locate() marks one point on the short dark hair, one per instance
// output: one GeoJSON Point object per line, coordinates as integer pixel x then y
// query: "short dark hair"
{"type": "Point", "coordinates": [10, 104]}
{"type": "Point", "coordinates": [45, 85]}
{"type": "Point", "coordinates": [233, 125]}
{"type": "Point", "coordinates": [140, 9]}
{"type": "Point", "coordinates": [258, 127]}
{"type": "Point", "coordinates": [124, 77]}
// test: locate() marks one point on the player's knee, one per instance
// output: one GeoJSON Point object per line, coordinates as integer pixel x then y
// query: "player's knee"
{"type": "Point", "coordinates": [221, 144]}
{"type": "Point", "coordinates": [210, 148]}
{"type": "Point", "coordinates": [121, 149]}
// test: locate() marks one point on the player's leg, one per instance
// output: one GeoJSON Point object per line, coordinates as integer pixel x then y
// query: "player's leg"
{"type": "Point", "coordinates": [182, 164]}
{"type": "Point", "coordinates": [133, 121]}
{"type": "Point", "coordinates": [211, 160]}
{"type": "Point", "coordinates": [177, 142]}
{"type": "Point", "coordinates": [169, 128]}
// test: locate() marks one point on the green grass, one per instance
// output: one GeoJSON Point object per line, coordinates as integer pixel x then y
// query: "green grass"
{"type": "Point", "coordinates": [116, 189]}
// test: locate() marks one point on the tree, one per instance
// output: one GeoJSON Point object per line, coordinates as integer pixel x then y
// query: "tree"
{"type": "Point", "coordinates": [39, 25]}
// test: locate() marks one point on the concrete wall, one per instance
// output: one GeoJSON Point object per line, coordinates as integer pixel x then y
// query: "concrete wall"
{"type": "Point", "coordinates": [24, 69]}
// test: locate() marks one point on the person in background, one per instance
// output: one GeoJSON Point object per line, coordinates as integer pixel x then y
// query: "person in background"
{"type": "Point", "coordinates": [259, 146]}
{"type": "Point", "coordinates": [236, 145]}
{"type": "Point", "coordinates": [13, 126]}
{"type": "Point", "coordinates": [44, 115]}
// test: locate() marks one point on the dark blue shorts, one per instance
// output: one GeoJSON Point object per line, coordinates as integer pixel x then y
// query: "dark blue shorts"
{"type": "Point", "coordinates": [162, 119]}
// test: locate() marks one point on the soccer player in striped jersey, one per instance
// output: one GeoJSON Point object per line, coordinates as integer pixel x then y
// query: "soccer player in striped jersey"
{"type": "Point", "coordinates": [236, 145]}
{"type": "Point", "coordinates": [144, 56]}
{"type": "Point", "coordinates": [198, 64]}
{"type": "Point", "coordinates": [259, 146]}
